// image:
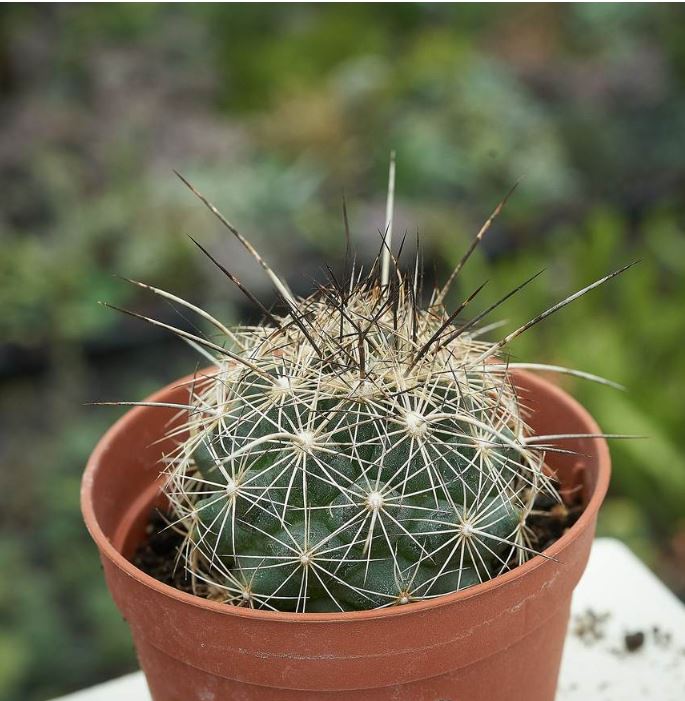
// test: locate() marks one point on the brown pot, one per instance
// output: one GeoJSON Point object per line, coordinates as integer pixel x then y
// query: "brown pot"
{"type": "Point", "coordinates": [498, 641]}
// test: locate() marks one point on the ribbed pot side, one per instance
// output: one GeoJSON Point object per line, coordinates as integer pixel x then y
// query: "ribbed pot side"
{"type": "Point", "coordinates": [498, 641]}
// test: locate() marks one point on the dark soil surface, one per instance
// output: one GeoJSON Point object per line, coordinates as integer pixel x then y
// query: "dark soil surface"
{"type": "Point", "coordinates": [157, 554]}
{"type": "Point", "coordinates": [551, 520]}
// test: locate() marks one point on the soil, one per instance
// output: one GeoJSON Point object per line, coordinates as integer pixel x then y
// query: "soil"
{"type": "Point", "coordinates": [550, 520]}
{"type": "Point", "coordinates": [157, 554]}
{"type": "Point", "coordinates": [634, 641]}
{"type": "Point", "coordinates": [589, 626]}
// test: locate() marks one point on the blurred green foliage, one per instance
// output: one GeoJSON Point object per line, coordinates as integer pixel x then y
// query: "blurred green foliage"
{"type": "Point", "coordinates": [273, 111]}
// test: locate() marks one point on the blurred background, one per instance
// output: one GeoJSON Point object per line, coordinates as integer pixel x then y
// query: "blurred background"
{"type": "Point", "coordinates": [273, 112]}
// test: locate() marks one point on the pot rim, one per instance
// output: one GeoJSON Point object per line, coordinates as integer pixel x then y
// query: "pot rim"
{"type": "Point", "coordinates": [130, 418]}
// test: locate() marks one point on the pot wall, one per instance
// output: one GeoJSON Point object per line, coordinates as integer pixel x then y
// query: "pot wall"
{"type": "Point", "coordinates": [499, 640]}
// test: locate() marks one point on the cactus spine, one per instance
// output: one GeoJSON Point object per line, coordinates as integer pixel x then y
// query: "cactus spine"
{"type": "Point", "coordinates": [356, 452]}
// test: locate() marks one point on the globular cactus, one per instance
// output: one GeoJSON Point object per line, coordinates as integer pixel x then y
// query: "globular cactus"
{"type": "Point", "coordinates": [357, 452]}
{"type": "Point", "coordinates": [342, 468]}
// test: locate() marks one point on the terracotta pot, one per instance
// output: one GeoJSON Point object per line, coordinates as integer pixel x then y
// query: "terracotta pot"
{"type": "Point", "coordinates": [498, 641]}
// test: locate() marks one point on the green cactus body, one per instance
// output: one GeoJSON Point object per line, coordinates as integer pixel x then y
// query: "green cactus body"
{"type": "Point", "coordinates": [334, 471]}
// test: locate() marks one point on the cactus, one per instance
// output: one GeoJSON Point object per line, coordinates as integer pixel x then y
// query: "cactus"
{"type": "Point", "coordinates": [358, 451]}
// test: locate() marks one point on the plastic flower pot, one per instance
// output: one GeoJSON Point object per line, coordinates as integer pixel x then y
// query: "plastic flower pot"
{"type": "Point", "coordinates": [497, 641]}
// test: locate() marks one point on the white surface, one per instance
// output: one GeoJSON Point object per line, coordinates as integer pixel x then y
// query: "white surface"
{"type": "Point", "coordinates": [615, 583]}
{"type": "Point", "coordinates": [618, 584]}
{"type": "Point", "coordinates": [132, 687]}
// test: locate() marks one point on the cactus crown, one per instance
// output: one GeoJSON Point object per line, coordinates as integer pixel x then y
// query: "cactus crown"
{"type": "Point", "coordinates": [357, 452]}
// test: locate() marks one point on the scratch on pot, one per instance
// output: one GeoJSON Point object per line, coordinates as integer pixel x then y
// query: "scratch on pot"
{"type": "Point", "coordinates": [464, 634]}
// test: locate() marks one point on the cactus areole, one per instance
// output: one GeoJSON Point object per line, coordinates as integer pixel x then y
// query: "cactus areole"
{"type": "Point", "coordinates": [359, 450]}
